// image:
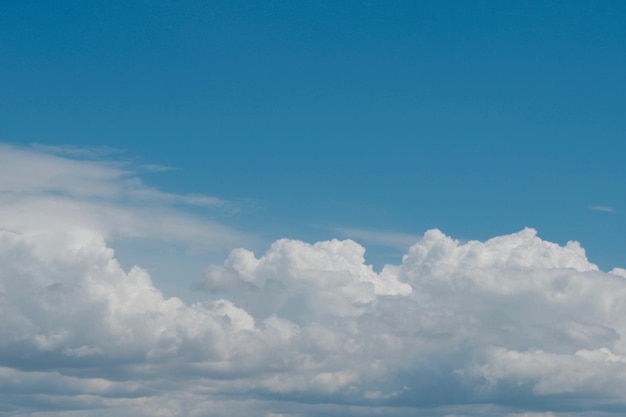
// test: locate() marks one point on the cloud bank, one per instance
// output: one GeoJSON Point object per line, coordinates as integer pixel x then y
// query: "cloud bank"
{"type": "Point", "coordinates": [512, 326]}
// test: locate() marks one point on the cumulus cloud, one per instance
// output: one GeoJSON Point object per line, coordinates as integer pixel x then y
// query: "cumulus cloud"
{"type": "Point", "coordinates": [452, 323]}
{"type": "Point", "coordinates": [514, 325]}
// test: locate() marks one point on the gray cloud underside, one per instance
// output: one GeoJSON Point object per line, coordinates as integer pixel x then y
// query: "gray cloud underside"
{"type": "Point", "coordinates": [513, 326]}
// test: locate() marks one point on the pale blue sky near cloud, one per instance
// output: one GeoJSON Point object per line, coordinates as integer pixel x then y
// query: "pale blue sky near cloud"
{"type": "Point", "coordinates": [478, 118]}
{"type": "Point", "coordinates": [175, 131]}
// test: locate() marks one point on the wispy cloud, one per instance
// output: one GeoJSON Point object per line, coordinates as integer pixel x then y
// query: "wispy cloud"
{"type": "Point", "coordinates": [605, 209]}
{"type": "Point", "coordinates": [155, 168]}
{"type": "Point", "coordinates": [77, 151]}
{"type": "Point", "coordinates": [44, 188]}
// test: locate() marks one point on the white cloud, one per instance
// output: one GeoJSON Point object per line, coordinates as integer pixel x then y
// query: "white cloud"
{"type": "Point", "coordinates": [598, 372]}
{"type": "Point", "coordinates": [44, 191]}
{"type": "Point", "coordinates": [438, 317]}
{"type": "Point", "coordinates": [512, 326]}
{"type": "Point", "coordinates": [296, 279]}
{"type": "Point", "coordinates": [606, 209]}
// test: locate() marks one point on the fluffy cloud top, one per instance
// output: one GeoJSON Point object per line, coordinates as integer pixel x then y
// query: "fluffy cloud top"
{"type": "Point", "coordinates": [511, 326]}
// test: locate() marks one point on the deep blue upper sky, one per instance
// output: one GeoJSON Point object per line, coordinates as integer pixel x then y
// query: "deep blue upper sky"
{"type": "Point", "coordinates": [475, 117]}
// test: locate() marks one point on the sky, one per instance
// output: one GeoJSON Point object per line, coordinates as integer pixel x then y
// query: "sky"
{"type": "Point", "coordinates": [330, 208]}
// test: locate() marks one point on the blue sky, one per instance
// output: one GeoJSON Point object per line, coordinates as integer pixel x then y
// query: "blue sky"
{"type": "Point", "coordinates": [246, 122]}
{"type": "Point", "coordinates": [476, 118]}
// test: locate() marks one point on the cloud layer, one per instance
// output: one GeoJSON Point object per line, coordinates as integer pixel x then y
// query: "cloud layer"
{"type": "Point", "coordinates": [512, 326]}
